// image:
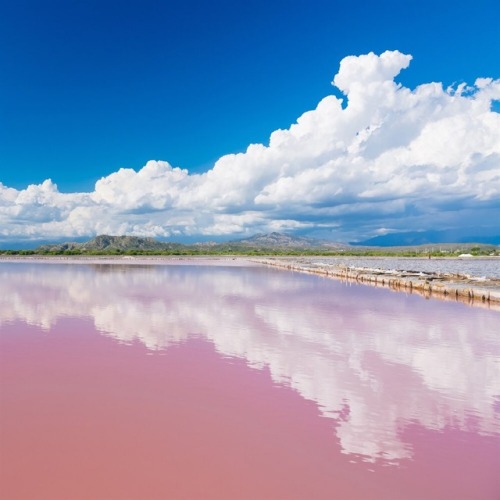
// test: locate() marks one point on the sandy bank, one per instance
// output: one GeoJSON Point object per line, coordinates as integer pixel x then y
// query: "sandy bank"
{"type": "Point", "coordinates": [482, 292]}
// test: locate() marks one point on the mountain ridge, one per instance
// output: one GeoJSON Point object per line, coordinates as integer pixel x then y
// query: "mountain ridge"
{"type": "Point", "coordinates": [431, 237]}
{"type": "Point", "coordinates": [105, 242]}
{"type": "Point", "coordinates": [260, 243]}
{"type": "Point", "coordinates": [282, 240]}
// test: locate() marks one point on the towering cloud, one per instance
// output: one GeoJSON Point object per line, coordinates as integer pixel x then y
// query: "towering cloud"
{"type": "Point", "coordinates": [385, 158]}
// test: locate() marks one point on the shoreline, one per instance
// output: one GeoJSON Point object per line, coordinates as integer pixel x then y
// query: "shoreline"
{"type": "Point", "coordinates": [476, 292]}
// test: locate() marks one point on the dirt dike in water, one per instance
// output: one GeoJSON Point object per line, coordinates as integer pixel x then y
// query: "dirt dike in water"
{"type": "Point", "coordinates": [479, 292]}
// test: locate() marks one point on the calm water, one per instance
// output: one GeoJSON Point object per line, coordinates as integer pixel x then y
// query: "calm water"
{"type": "Point", "coordinates": [148, 382]}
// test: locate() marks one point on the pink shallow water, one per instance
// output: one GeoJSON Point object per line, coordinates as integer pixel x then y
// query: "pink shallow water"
{"type": "Point", "coordinates": [121, 382]}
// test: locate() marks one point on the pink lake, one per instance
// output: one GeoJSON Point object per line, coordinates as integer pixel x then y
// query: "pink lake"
{"type": "Point", "coordinates": [203, 381]}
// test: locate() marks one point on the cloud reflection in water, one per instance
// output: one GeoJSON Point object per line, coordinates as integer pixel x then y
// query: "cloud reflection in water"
{"type": "Point", "coordinates": [372, 360]}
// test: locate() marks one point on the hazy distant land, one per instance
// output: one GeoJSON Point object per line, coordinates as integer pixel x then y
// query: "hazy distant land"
{"type": "Point", "coordinates": [261, 244]}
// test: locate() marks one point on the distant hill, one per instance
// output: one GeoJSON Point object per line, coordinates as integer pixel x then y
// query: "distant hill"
{"type": "Point", "coordinates": [280, 240]}
{"type": "Point", "coordinates": [259, 244]}
{"type": "Point", "coordinates": [425, 238]}
{"type": "Point", "coordinates": [105, 242]}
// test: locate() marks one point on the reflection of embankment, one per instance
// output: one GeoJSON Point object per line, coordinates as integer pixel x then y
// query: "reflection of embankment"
{"type": "Point", "coordinates": [455, 287]}
{"type": "Point", "coordinates": [370, 363]}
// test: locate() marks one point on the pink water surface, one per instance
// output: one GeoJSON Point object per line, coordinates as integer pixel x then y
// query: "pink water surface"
{"type": "Point", "coordinates": [241, 383]}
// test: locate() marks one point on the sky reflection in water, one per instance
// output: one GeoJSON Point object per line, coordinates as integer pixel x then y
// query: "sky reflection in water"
{"type": "Point", "coordinates": [375, 362]}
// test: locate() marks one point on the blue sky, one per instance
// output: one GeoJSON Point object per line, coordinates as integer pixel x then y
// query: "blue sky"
{"type": "Point", "coordinates": [87, 88]}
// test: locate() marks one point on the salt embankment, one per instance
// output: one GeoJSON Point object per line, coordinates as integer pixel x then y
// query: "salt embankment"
{"type": "Point", "coordinates": [474, 291]}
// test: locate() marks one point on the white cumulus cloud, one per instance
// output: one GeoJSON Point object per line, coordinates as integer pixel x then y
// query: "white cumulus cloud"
{"type": "Point", "coordinates": [385, 156]}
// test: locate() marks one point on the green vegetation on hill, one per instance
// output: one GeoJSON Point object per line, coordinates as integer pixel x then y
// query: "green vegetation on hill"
{"type": "Point", "coordinates": [260, 245]}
